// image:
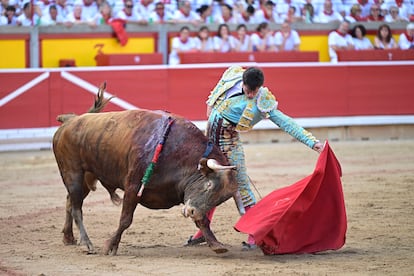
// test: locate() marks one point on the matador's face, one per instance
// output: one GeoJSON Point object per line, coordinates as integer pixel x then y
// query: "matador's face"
{"type": "Point", "coordinates": [250, 93]}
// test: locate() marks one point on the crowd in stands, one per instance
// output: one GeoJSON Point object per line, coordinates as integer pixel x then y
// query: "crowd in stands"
{"type": "Point", "coordinates": [225, 13]}
{"type": "Point", "coordinates": [198, 12]}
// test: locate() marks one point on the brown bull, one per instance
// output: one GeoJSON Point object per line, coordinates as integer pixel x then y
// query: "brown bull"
{"type": "Point", "coordinates": [116, 148]}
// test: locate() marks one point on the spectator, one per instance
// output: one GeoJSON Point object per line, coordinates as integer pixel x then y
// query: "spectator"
{"type": "Point", "coordinates": [339, 40]}
{"type": "Point", "coordinates": [365, 7]}
{"type": "Point", "coordinates": [394, 16]}
{"type": "Point", "coordinates": [3, 6]}
{"type": "Point", "coordinates": [262, 40]}
{"type": "Point", "coordinates": [224, 42]}
{"type": "Point", "coordinates": [291, 16]}
{"type": "Point", "coordinates": [361, 42]}
{"type": "Point", "coordinates": [243, 42]}
{"type": "Point", "coordinates": [144, 8]}
{"type": "Point", "coordinates": [103, 17]}
{"type": "Point", "coordinates": [10, 17]}
{"type": "Point", "coordinates": [180, 44]}
{"type": "Point", "coordinates": [130, 15]}
{"type": "Point", "coordinates": [160, 15]}
{"type": "Point", "coordinates": [405, 8]}
{"type": "Point", "coordinates": [384, 39]}
{"type": "Point", "coordinates": [355, 14]}
{"type": "Point", "coordinates": [26, 18]}
{"type": "Point", "coordinates": [268, 13]}
{"type": "Point", "coordinates": [246, 15]}
{"type": "Point", "coordinates": [406, 40]}
{"type": "Point", "coordinates": [203, 41]}
{"type": "Point", "coordinates": [282, 8]}
{"type": "Point", "coordinates": [226, 15]}
{"type": "Point", "coordinates": [63, 9]}
{"type": "Point", "coordinates": [52, 18]}
{"type": "Point", "coordinates": [287, 39]}
{"type": "Point", "coordinates": [89, 9]}
{"type": "Point", "coordinates": [375, 13]}
{"type": "Point", "coordinates": [308, 13]}
{"type": "Point", "coordinates": [328, 15]}
{"type": "Point", "coordinates": [184, 14]}
{"type": "Point", "coordinates": [76, 17]}
{"type": "Point", "coordinates": [205, 12]}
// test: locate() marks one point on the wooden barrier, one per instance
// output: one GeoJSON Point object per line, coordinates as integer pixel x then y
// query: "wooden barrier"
{"type": "Point", "coordinates": [288, 56]}
{"type": "Point", "coordinates": [375, 55]}
{"type": "Point", "coordinates": [128, 59]}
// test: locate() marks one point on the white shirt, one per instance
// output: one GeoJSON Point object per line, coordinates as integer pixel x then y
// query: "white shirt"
{"type": "Point", "coordinates": [326, 18]}
{"type": "Point", "coordinates": [335, 39]}
{"type": "Point", "coordinates": [404, 43]}
{"type": "Point", "coordinates": [362, 44]}
{"type": "Point", "coordinates": [208, 47]}
{"type": "Point", "coordinates": [178, 45]}
{"type": "Point", "coordinates": [291, 41]}
{"type": "Point", "coordinates": [224, 46]}
{"type": "Point", "coordinates": [257, 40]}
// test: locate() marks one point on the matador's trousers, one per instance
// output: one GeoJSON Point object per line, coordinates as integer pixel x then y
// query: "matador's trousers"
{"type": "Point", "coordinates": [223, 133]}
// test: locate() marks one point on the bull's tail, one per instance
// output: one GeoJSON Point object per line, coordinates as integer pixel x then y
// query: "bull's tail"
{"type": "Point", "coordinates": [100, 101]}
{"type": "Point", "coordinates": [99, 104]}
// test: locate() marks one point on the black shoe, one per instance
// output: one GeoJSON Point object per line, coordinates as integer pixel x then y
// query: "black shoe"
{"type": "Point", "coordinates": [246, 246]}
{"type": "Point", "coordinates": [192, 242]}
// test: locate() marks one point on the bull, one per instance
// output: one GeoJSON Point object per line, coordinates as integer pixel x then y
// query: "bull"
{"type": "Point", "coordinates": [116, 148]}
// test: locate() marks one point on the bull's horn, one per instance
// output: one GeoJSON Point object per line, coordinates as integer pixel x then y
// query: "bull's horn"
{"type": "Point", "coordinates": [214, 165]}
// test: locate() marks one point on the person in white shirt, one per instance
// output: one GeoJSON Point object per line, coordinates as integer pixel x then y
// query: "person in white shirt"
{"type": "Point", "coordinates": [144, 8]}
{"type": "Point", "coordinates": [339, 40]}
{"type": "Point", "coordinates": [226, 15]}
{"type": "Point", "coordinates": [182, 43]}
{"type": "Point", "coordinates": [52, 18]}
{"type": "Point", "coordinates": [328, 14]}
{"type": "Point", "coordinates": [243, 41]}
{"type": "Point", "coordinates": [361, 42]}
{"type": "Point", "coordinates": [203, 41]}
{"type": "Point", "coordinates": [9, 18]}
{"type": "Point", "coordinates": [26, 18]}
{"type": "Point", "coordinates": [406, 40]}
{"type": "Point", "coordinates": [394, 15]}
{"type": "Point", "coordinates": [89, 9]}
{"type": "Point", "coordinates": [185, 14]}
{"type": "Point", "coordinates": [129, 14]}
{"type": "Point", "coordinates": [246, 15]}
{"type": "Point", "coordinates": [287, 39]}
{"type": "Point", "coordinates": [224, 42]}
{"type": "Point", "coordinates": [262, 40]}
{"type": "Point", "coordinates": [160, 15]}
{"type": "Point", "coordinates": [268, 13]}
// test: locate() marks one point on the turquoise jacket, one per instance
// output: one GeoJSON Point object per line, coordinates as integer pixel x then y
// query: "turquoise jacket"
{"type": "Point", "coordinates": [245, 112]}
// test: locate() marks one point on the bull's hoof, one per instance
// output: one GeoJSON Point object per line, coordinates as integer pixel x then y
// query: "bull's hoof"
{"type": "Point", "coordinates": [69, 240]}
{"type": "Point", "coordinates": [109, 248]}
{"type": "Point", "coordinates": [219, 249]}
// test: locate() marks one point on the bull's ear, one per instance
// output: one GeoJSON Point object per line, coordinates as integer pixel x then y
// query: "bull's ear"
{"type": "Point", "coordinates": [203, 168]}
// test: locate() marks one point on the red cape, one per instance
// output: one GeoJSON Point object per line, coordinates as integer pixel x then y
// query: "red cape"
{"type": "Point", "coordinates": [306, 217]}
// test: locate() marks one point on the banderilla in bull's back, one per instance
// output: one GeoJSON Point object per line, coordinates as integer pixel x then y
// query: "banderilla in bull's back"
{"type": "Point", "coordinates": [116, 148]}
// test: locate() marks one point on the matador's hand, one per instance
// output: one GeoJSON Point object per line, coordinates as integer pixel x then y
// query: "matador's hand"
{"type": "Point", "coordinates": [318, 147]}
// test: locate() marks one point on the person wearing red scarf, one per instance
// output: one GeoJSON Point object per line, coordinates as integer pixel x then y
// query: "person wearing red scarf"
{"type": "Point", "coordinates": [328, 14]}
{"type": "Point", "coordinates": [339, 40]}
{"type": "Point", "coordinates": [181, 43]}
{"type": "Point", "coordinates": [267, 13]}
{"type": "Point", "coordinates": [406, 40]}
{"type": "Point", "coordinates": [355, 14]}
{"type": "Point", "coordinates": [185, 14]}
{"type": "Point", "coordinates": [262, 40]}
{"type": "Point", "coordinates": [375, 14]}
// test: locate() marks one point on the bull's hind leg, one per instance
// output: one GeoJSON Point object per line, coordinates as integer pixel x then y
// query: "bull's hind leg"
{"type": "Point", "coordinates": [129, 204]}
{"type": "Point", "coordinates": [77, 190]}
{"type": "Point", "coordinates": [68, 238]}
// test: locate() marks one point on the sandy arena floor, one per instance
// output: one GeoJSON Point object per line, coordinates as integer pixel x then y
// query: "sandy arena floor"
{"type": "Point", "coordinates": [378, 182]}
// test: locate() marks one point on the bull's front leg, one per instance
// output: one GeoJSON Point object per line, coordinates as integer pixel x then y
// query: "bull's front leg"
{"type": "Point", "coordinates": [211, 240]}
{"type": "Point", "coordinates": [128, 207]}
